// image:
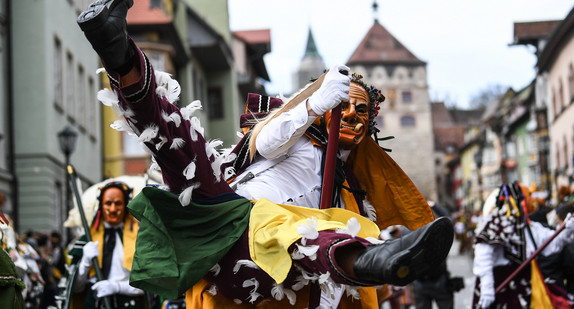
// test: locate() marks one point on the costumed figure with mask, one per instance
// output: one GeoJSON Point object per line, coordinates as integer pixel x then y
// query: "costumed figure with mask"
{"type": "Point", "coordinates": [113, 233]}
{"type": "Point", "coordinates": [252, 248]}
{"type": "Point", "coordinates": [505, 238]}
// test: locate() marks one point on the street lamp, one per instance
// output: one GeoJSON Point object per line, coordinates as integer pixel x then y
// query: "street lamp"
{"type": "Point", "coordinates": [67, 139]}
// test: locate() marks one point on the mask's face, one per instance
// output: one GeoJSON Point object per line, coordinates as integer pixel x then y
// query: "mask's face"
{"type": "Point", "coordinates": [113, 206]}
{"type": "Point", "coordinates": [354, 117]}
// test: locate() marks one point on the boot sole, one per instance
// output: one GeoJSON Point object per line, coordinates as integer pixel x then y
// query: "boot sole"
{"type": "Point", "coordinates": [426, 253]}
{"type": "Point", "coordinates": [99, 13]}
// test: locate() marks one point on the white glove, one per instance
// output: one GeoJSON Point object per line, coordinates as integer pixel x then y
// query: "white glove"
{"type": "Point", "coordinates": [486, 291]}
{"type": "Point", "coordinates": [335, 88]}
{"type": "Point", "coordinates": [90, 251]}
{"type": "Point", "coordinates": [106, 287]}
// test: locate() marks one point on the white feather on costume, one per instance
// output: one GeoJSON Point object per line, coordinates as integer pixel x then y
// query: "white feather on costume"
{"type": "Point", "coordinates": [216, 168]}
{"type": "Point", "coordinates": [211, 148]}
{"type": "Point", "coordinates": [134, 129]}
{"type": "Point", "coordinates": [196, 124]}
{"type": "Point", "coordinates": [193, 134]}
{"type": "Point", "coordinates": [122, 126]}
{"type": "Point", "coordinates": [212, 290]}
{"type": "Point", "coordinates": [253, 295]}
{"type": "Point", "coordinates": [185, 195]}
{"type": "Point", "coordinates": [119, 111]}
{"type": "Point", "coordinates": [189, 171]}
{"type": "Point", "coordinates": [173, 91]}
{"type": "Point", "coordinates": [353, 291]}
{"type": "Point", "coordinates": [177, 143]}
{"type": "Point", "coordinates": [165, 116]}
{"type": "Point", "coordinates": [308, 251]}
{"type": "Point", "coordinates": [176, 118]}
{"type": "Point", "coordinates": [297, 255]}
{"type": "Point", "coordinates": [279, 292]}
{"type": "Point", "coordinates": [226, 152]}
{"type": "Point", "coordinates": [154, 166]}
{"type": "Point", "coordinates": [128, 113]}
{"type": "Point", "coordinates": [149, 133]}
{"type": "Point", "coordinates": [308, 230]}
{"type": "Point", "coordinates": [167, 86]}
{"type": "Point", "coordinates": [291, 296]}
{"type": "Point", "coordinates": [300, 283]}
{"type": "Point", "coordinates": [353, 227]}
{"type": "Point", "coordinates": [324, 277]}
{"type": "Point", "coordinates": [215, 270]}
{"type": "Point", "coordinates": [369, 210]}
{"type": "Point", "coordinates": [161, 91]}
{"type": "Point", "coordinates": [245, 263]}
{"type": "Point", "coordinates": [107, 97]}
{"type": "Point", "coordinates": [188, 111]}
{"type": "Point", "coordinates": [162, 141]}
{"type": "Point", "coordinates": [228, 173]}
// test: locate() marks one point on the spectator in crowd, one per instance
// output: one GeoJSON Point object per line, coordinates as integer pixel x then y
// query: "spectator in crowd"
{"type": "Point", "coordinates": [113, 233]}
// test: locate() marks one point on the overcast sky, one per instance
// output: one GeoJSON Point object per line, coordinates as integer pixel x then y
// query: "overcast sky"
{"type": "Point", "coordinates": [464, 42]}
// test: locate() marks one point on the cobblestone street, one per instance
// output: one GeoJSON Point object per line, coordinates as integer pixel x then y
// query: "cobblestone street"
{"type": "Point", "coordinates": [461, 265]}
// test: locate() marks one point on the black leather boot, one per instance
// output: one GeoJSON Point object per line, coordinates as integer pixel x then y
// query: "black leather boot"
{"type": "Point", "coordinates": [402, 260]}
{"type": "Point", "coordinates": [104, 24]}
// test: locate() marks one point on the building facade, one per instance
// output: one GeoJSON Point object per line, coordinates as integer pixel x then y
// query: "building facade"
{"type": "Point", "coordinates": [556, 71]}
{"type": "Point", "coordinates": [54, 86]}
{"type": "Point", "coordinates": [406, 113]}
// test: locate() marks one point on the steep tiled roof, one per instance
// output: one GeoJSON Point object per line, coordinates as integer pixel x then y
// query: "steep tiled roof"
{"type": "Point", "coordinates": [446, 131]}
{"type": "Point", "coordinates": [142, 13]}
{"type": "Point", "coordinates": [466, 116]}
{"type": "Point", "coordinates": [380, 46]}
{"type": "Point", "coordinates": [440, 115]}
{"type": "Point", "coordinates": [449, 136]}
{"type": "Point", "coordinates": [254, 36]}
{"type": "Point", "coordinates": [531, 32]}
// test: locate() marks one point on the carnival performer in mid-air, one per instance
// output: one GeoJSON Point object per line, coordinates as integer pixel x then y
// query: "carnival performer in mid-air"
{"type": "Point", "coordinates": [247, 243]}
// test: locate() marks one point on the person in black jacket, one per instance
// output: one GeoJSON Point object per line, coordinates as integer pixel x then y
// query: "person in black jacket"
{"type": "Point", "coordinates": [434, 286]}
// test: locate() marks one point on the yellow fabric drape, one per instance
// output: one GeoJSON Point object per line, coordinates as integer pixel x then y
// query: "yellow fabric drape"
{"type": "Point", "coordinates": [273, 228]}
{"type": "Point", "coordinates": [539, 298]}
{"type": "Point", "coordinates": [396, 199]}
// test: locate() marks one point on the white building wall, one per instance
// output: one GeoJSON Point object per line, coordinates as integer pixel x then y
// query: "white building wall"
{"type": "Point", "coordinates": [562, 123]}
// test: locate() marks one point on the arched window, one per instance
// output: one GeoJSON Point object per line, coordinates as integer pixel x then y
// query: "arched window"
{"type": "Point", "coordinates": [408, 121]}
{"type": "Point", "coordinates": [561, 95]}
{"type": "Point", "coordinates": [555, 109]}
{"type": "Point", "coordinates": [407, 96]}
{"type": "Point", "coordinates": [565, 152]}
{"type": "Point", "coordinates": [558, 163]}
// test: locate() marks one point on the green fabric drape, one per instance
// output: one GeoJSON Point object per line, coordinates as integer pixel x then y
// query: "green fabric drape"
{"type": "Point", "coordinates": [176, 246]}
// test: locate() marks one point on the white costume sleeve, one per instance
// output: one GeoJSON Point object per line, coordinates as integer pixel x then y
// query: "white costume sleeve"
{"type": "Point", "coordinates": [281, 133]}
{"type": "Point", "coordinates": [484, 259]}
{"type": "Point", "coordinates": [542, 233]}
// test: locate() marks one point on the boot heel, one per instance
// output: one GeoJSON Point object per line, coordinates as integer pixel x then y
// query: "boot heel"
{"type": "Point", "coordinates": [98, 12]}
